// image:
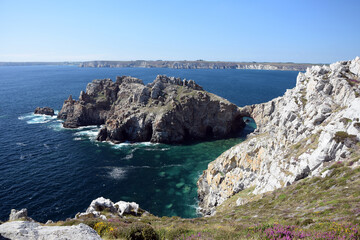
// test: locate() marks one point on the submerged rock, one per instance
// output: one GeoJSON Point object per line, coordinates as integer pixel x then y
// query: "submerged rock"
{"type": "Point", "coordinates": [25, 230]}
{"type": "Point", "coordinates": [168, 110]}
{"type": "Point", "coordinates": [297, 135]}
{"type": "Point", "coordinates": [44, 110]}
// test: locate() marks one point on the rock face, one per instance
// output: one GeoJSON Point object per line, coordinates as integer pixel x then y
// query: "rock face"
{"type": "Point", "coordinates": [168, 110]}
{"type": "Point", "coordinates": [24, 230]}
{"type": "Point", "coordinates": [298, 134]}
{"type": "Point", "coordinates": [44, 110]}
{"type": "Point", "coordinates": [118, 209]}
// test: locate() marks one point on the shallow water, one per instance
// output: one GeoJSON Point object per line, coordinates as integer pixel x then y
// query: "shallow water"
{"type": "Point", "coordinates": [56, 172]}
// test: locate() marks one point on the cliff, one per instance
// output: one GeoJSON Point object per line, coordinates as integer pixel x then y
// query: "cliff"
{"type": "Point", "coordinates": [200, 64]}
{"type": "Point", "coordinates": [298, 134]}
{"type": "Point", "coordinates": [168, 110]}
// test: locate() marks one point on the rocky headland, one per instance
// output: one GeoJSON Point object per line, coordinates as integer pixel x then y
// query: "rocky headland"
{"type": "Point", "coordinates": [168, 110]}
{"type": "Point", "coordinates": [298, 135]}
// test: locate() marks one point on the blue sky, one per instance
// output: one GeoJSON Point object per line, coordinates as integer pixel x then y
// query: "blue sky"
{"type": "Point", "coordinates": [317, 31]}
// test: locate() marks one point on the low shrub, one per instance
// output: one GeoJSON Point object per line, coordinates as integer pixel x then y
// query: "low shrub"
{"type": "Point", "coordinates": [141, 231]}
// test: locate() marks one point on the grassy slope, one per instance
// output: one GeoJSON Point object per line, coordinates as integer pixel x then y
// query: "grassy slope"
{"type": "Point", "coordinates": [314, 208]}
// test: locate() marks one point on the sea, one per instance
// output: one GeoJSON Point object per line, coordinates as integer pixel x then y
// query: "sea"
{"type": "Point", "coordinates": [56, 172]}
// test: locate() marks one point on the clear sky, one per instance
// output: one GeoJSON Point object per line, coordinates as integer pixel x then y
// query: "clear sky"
{"type": "Point", "coordinates": [316, 31]}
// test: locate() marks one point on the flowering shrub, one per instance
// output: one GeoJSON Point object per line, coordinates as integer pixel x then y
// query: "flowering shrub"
{"type": "Point", "coordinates": [278, 231]}
{"type": "Point", "coordinates": [103, 228]}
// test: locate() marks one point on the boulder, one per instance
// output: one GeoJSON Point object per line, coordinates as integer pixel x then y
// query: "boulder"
{"type": "Point", "coordinates": [127, 207]}
{"type": "Point", "coordinates": [18, 214]}
{"type": "Point", "coordinates": [44, 110]}
{"type": "Point", "coordinates": [25, 230]}
{"type": "Point", "coordinates": [102, 204]}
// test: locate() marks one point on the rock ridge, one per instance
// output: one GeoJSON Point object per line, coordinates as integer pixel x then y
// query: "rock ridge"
{"type": "Point", "coordinates": [297, 135]}
{"type": "Point", "coordinates": [168, 110]}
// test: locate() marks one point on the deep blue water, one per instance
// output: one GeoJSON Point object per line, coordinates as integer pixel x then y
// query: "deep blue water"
{"type": "Point", "coordinates": [56, 172]}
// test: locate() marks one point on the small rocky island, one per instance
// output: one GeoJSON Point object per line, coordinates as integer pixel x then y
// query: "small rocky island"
{"type": "Point", "coordinates": [168, 110]}
{"type": "Point", "coordinates": [44, 110]}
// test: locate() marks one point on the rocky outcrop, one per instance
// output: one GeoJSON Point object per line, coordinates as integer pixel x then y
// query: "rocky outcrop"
{"type": "Point", "coordinates": [168, 110]}
{"type": "Point", "coordinates": [44, 110]}
{"type": "Point", "coordinates": [297, 135]}
{"type": "Point", "coordinates": [117, 209]}
{"type": "Point", "coordinates": [25, 230]}
{"type": "Point", "coordinates": [19, 215]}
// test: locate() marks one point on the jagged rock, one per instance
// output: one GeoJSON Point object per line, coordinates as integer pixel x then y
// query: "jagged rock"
{"type": "Point", "coordinates": [127, 207]}
{"type": "Point", "coordinates": [168, 110]}
{"type": "Point", "coordinates": [44, 110]}
{"type": "Point", "coordinates": [102, 204]}
{"type": "Point", "coordinates": [295, 136]}
{"type": "Point", "coordinates": [24, 230]}
{"type": "Point", "coordinates": [19, 214]}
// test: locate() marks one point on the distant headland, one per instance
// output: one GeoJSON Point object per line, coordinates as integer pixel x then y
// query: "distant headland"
{"type": "Point", "coordinates": [198, 64]}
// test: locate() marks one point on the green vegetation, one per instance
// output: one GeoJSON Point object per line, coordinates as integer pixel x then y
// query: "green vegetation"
{"type": "Point", "coordinates": [341, 137]}
{"type": "Point", "coordinates": [312, 208]}
{"type": "Point", "coordinates": [345, 121]}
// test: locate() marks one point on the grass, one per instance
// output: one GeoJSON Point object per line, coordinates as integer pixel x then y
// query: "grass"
{"type": "Point", "coordinates": [314, 208]}
{"type": "Point", "coordinates": [345, 121]}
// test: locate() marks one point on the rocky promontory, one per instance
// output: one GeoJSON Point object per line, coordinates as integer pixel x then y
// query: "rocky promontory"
{"type": "Point", "coordinates": [168, 110]}
{"type": "Point", "coordinates": [298, 135]}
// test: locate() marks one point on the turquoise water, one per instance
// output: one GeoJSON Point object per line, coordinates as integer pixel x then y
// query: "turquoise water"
{"type": "Point", "coordinates": [56, 172]}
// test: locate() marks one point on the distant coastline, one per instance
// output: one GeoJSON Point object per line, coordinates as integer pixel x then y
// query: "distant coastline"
{"type": "Point", "coordinates": [199, 64]}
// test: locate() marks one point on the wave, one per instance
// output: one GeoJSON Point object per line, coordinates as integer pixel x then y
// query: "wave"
{"type": "Point", "coordinates": [21, 144]}
{"type": "Point", "coordinates": [89, 132]}
{"type": "Point", "coordinates": [32, 118]}
{"type": "Point", "coordinates": [117, 173]}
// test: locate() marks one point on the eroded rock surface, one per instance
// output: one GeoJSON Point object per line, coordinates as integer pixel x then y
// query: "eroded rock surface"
{"type": "Point", "coordinates": [298, 134]}
{"type": "Point", "coordinates": [168, 110]}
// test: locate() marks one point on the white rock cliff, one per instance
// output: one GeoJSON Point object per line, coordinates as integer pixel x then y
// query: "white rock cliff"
{"type": "Point", "coordinates": [297, 135]}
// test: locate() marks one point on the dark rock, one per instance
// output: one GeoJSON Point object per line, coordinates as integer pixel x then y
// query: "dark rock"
{"type": "Point", "coordinates": [305, 172]}
{"type": "Point", "coordinates": [44, 110]}
{"type": "Point", "coordinates": [168, 110]}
